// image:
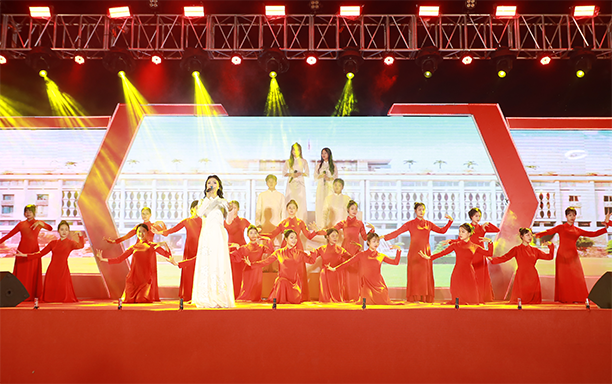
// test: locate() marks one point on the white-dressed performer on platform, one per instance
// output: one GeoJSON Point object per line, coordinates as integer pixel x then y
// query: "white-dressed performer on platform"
{"type": "Point", "coordinates": [295, 169]}
{"type": "Point", "coordinates": [212, 282]}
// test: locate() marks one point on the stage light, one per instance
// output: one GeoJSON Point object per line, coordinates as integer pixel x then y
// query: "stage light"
{"type": "Point", "coordinates": [275, 10]}
{"type": "Point", "coordinates": [79, 59]}
{"type": "Point", "coordinates": [195, 74]}
{"type": "Point", "coordinates": [42, 73]}
{"type": "Point", "coordinates": [504, 61]}
{"type": "Point", "coordinates": [193, 12]}
{"type": "Point", "coordinates": [429, 11]}
{"type": "Point", "coordinates": [350, 11]}
{"type": "Point", "coordinates": [470, 4]}
{"type": "Point", "coordinates": [505, 12]}
{"type": "Point", "coordinates": [156, 59]}
{"type": "Point", "coordinates": [42, 58]}
{"type": "Point", "coordinates": [585, 11]}
{"type": "Point", "coordinates": [311, 59]}
{"type": "Point", "coordinates": [350, 75]}
{"type": "Point", "coordinates": [389, 59]}
{"type": "Point", "coordinates": [121, 74]}
{"type": "Point", "coordinates": [467, 59]}
{"type": "Point", "coordinates": [40, 12]}
{"type": "Point", "coordinates": [236, 59]}
{"type": "Point", "coordinates": [194, 59]}
{"type": "Point", "coordinates": [582, 60]}
{"type": "Point", "coordinates": [118, 59]}
{"type": "Point", "coordinates": [2, 59]}
{"type": "Point", "coordinates": [350, 60]}
{"type": "Point", "coordinates": [119, 12]}
{"type": "Point", "coordinates": [273, 60]}
{"type": "Point", "coordinates": [544, 58]}
{"type": "Point", "coordinates": [272, 74]}
{"type": "Point", "coordinates": [428, 59]}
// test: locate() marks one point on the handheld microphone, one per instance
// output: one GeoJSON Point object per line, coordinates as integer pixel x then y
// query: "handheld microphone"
{"type": "Point", "coordinates": [274, 303]}
{"type": "Point", "coordinates": [363, 306]}
{"type": "Point", "coordinates": [181, 305]}
{"type": "Point", "coordinates": [119, 306]}
{"type": "Point", "coordinates": [456, 303]}
{"type": "Point", "coordinates": [520, 304]}
{"type": "Point", "coordinates": [209, 189]}
{"type": "Point", "coordinates": [36, 303]}
{"type": "Point", "coordinates": [588, 304]}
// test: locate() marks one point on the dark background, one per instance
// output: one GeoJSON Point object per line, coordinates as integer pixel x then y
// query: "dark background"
{"type": "Point", "coordinates": [529, 89]}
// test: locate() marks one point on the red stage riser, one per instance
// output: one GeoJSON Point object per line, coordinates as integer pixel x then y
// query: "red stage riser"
{"type": "Point", "coordinates": [307, 345]}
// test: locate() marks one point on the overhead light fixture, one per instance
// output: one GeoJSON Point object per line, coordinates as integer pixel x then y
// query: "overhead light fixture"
{"type": "Point", "coordinates": [350, 60]}
{"type": "Point", "coordinates": [236, 59]}
{"type": "Point", "coordinates": [40, 12]}
{"type": "Point", "coordinates": [79, 59]}
{"type": "Point", "coordinates": [156, 59]}
{"type": "Point", "coordinates": [41, 58]}
{"type": "Point", "coordinates": [119, 13]}
{"type": "Point", "coordinates": [504, 61]}
{"type": "Point", "coordinates": [193, 12]}
{"type": "Point", "coordinates": [194, 59]}
{"type": "Point", "coordinates": [350, 11]}
{"type": "Point", "coordinates": [273, 60]}
{"type": "Point", "coordinates": [389, 59]}
{"type": "Point", "coordinates": [3, 59]}
{"type": "Point", "coordinates": [544, 58]}
{"type": "Point", "coordinates": [275, 11]}
{"type": "Point", "coordinates": [429, 11]}
{"type": "Point", "coordinates": [505, 12]}
{"type": "Point", "coordinates": [428, 59]}
{"type": "Point", "coordinates": [118, 59]}
{"type": "Point", "coordinates": [470, 5]}
{"type": "Point", "coordinates": [467, 58]}
{"type": "Point", "coordinates": [585, 11]}
{"type": "Point", "coordinates": [311, 59]}
{"type": "Point", "coordinates": [582, 59]}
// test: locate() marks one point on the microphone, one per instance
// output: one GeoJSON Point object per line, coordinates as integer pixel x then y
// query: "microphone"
{"type": "Point", "coordinates": [274, 303]}
{"type": "Point", "coordinates": [209, 189]}
{"type": "Point", "coordinates": [520, 304]}
{"type": "Point", "coordinates": [456, 303]}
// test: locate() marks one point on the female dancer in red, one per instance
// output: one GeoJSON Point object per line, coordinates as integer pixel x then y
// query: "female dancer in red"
{"type": "Point", "coordinates": [235, 227]}
{"type": "Point", "coordinates": [58, 283]}
{"type": "Point", "coordinates": [252, 276]}
{"type": "Point", "coordinates": [463, 280]}
{"type": "Point", "coordinates": [526, 280]}
{"type": "Point", "coordinates": [373, 287]}
{"type": "Point", "coordinates": [288, 285]}
{"type": "Point", "coordinates": [570, 286]}
{"type": "Point", "coordinates": [193, 226]}
{"type": "Point", "coordinates": [140, 283]}
{"type": "Point", "coordinates": [298, 226]}
{"type": "Point", "coordinates": [331, 282]}
{"type": "Point", "coordinates": [483, 278]}
{"type": "Point", "coordinates": [29, 272]}
{"type": "Point", "coordinates": [353, 230]}
{"type": "Point", "coordinates": [420, 284]}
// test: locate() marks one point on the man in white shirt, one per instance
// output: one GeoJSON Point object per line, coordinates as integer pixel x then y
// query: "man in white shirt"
{"type": "Point", "coordinates": [270, 206]}
{"type": "Point", "coordinates": [334, 208]}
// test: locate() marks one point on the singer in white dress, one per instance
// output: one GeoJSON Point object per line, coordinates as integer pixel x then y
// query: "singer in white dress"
{"type": "Point", "coordinates": [295, 169]}
{"type": "Point", "coordinates": [212, 282]}
{"type": "Point", "coordinates": [325, 173]}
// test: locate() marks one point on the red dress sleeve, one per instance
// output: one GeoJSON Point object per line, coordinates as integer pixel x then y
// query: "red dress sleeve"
{"type": "Point", "coordinates": [267, 261]}
{"type": "Point", "coordinates": [547, 232]}
{"type": "Point", "coordinates": [123, 238]}
{"type": "Point", "coordinates": [238, 254]}
{"type": "Point", "coordinates": [277, 231]}
{"type": "Point", "coordinates": [174, 229]}
{"type": "Point", "coordinates": [546, 256]}
{"type": "Point", "coordinates": [44, 251]}
{"type": "Point", "coordinates": [502, 259]}
{"type": "Point", "coordinates": [396, 261]}
{"type": "Point", "coordinates": [446, 251]}
{"type": "Point", "coordinates": [350, 261]}
{"type": "Point", "coordinates": [491, 228]}
{"type": "Point", "coordinates": [80, 244]}
{"type": "Point", "coordinates": [128, 252]}
{"type": "Point", "coordinates": [12, 233]}
{"type": "Point", "coordinates": [162, 251]}
{"type": "Point", "coordinates": [397, 232]}
{"type": "Point", "coordinates": [599, 232]}
{"type": "Point", "coordinates": [437, 229]}
{"type": "Point", "coordinates": [309, 234]}
{"type": "Point", "coordinates": [339, 225]}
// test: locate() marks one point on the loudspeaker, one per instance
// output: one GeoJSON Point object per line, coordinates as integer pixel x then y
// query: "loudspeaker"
{"type": "Point", "coordinates": [601, 293]}
{"type": "Point", "coordinates": [12, 292]}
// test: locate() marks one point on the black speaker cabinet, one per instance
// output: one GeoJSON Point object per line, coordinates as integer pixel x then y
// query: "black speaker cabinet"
{"type": "Point", "coordinates": [12, 292]}
{"type": "Point", "coordinates": [601, 293]}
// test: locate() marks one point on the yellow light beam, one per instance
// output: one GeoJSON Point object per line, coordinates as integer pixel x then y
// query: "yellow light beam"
{"type": "Point", "coordinates": [275, 103]}
{"type": "Point", "coordinates": [347, 104]}
{"type": "Point", "coordinates": [62, 104]}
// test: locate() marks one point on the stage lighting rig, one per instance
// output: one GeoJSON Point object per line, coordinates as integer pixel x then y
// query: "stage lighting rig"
{"type": "Point", "coordinates": [544, 58]}
{"type": "Point", "coordinates": [119, 13]}
{"type": "Point", "coordinates": [504, 61]}
{"type": "Point", "coordinates": [582, 59]}
{"type": "Point", "coordinates": [3, 59]}
{"type": "Point", "coordinates": [40, 13]}
{"type": "Point", "coordinates": [194, 59]}
{"type": "Point", "coordinates": [273, 60]}
{"type": "Point", "coordinates": [389, 58]}
{"type": "Point", "coordinates": [41, 58]}
{"type": "Point", "coordinates": [505, 12]}
{"type": "Point", "coordinates": [428, 59]}
{"type": "Point", "coordinates": [350, 60]}
{"type": "Point", "coordinates": [193, 12]}
{"type": "Point", "coordinates": [157, 58]}
{"type": "Point", "coordinates": [470, 5]}
{"type": "Point", "coordinates": [236, 59]}
{"type": "Point", "coordinates": [79, 59]}
{"type": "Point", "coordinates": [585, 11]}
{"type": "Point", "coordinates": [311, 59]}
{"type": "Point", "coordinates": [153, 3]}
{"type": "Point", "coordinates": [118, 59]}
{"type": "Point", "coordinates": [467, 58]}
{"type": "Point", "coordinates": [315, 5]}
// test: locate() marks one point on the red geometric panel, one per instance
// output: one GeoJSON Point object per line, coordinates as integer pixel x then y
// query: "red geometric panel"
{"type": "Point", "coordinates": [105, 170]}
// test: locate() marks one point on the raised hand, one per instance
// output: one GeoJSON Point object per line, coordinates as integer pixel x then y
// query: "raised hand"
{"type": "Point", "coordinates": [424, 255]}
{"type": "Point", "coordinates": [109, 240]}
{"type": "Point", "coordinates": [371, 227]}
{"type": "Point", "coordinates": [330, 268]}
{"type": "Point", "coordinates": [172, 261]}
{"type": "Point", "coordinates": [486, 239]}
{"type": "Point", "coordinates": [489, 258]}
{"type": "Point", "coordinates": [314, 225]}
{"type": "Point", "coordinates": [37, 224]}
{"type": "Point", "coordinates": [20, 254]}
{"type": "Point", "coordinates": [607, 219]}
{"type": "Point", "coordinates": [99, 256]}
{"type": "Point", "coordinates": [446, 242]}
{"type": "Point", "coordinates": [247, 261]}
{"type": "Point", "coordinates": [155, 231]}
{"type": "Point", "coordinates": [448, 217]}
{"type": "Point", "coordinates": [396, 246]}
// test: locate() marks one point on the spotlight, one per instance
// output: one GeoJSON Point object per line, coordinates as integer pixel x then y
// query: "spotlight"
{"type": "Point", "coordinates": [194, 59]}
{"type": "Point", "coordinates": [467, 58]}
{"type": "Point", "coordinates": [350, 11]}
{"type": "Point", "coordinates": [42, 73]}
{"type": "Point", "coordinates": [544, 58]}
{"type": "Point", "coordinates": [79, 59]}
{"type": "Point", "coordinates": [195, 74]}
{"type": "Point", "coordinates": [429, 11]}
{"type": "Point", "coordinates": [504, 60]}
{"type": "Point", "coordinates": [505, 12]}
{"type": "Point", "coordinates": [40, 12]}
{"type": "Point", "coordinates": [272, 74]}
{"type": "Point", "coordinates": [389, 59]}
{"type": "Point", "coordinates": [41, 58]}
{"type": "Point", "coordinates": [585, 11]}
{"type": "Point", "coordinates": [315, 5]}
{"type": "Point", "coordinates": [582, 60]}
{"type": "Point", "coordinates": [193, 12]}
{"type": "Point", "coordinates": [350, 60]}
{"type": "Point", "coordinates": [428, 59]}
{"type": "Point", "coordinates": [273, 60]}
{"type": "Point", "coordinates": [236, 59]}
{"type": "Point", "coordinates": [121, 74]}
{"type": "Point", "coordinates": [156, 59]}
{"type": "Point", "coordinates": [470, 4]}
{"type": "Point", "coordinates": [311, 59]}
{"type": "Point", "coordinates": [2, 59]}
{"type": "Point", "coordinates": [350, 75]}
{"type": "Point", "coordinates": [153, 3]}
{"type": "Point", "coordinates": [275, 11]}
{"type": "Point", "coordinates": [119, 13]}
{"type": "Point", "coordinates": [118, 59]}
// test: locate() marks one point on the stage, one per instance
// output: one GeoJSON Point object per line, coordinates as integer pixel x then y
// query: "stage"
{"type": "Point", "coordinates": [92, 341]}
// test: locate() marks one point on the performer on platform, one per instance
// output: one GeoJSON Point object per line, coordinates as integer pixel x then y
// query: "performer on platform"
{"type": "Point", "coordinates": [295, 169]}
{"type": "Point", "coordinates": [463, 279]}
{"type": "Point", "coordinates": [299, 227]}
{"type": "Point", "coordinates": [526, 279]}
{"type": "Point", "coordinates": [145, 214]}
{"type": "Point", "coordinates": [570, 285]}
{"type": "Point", "coordinates": [212, 282]}
{"type": "Point", "coordinates": [252, 276]}
{"type": "Point", "coordinates": [193, 226]}
{"type": "Point", "coordinates": [373, 287]}
{"type": "Point", "coordinates": [141, 282]}
{"type": "Point", "coordinates": [29, 272]}
{"type": "Point", "coordinates": [235, 227]}
{"type": "Point", "coordinates": [58, 282]}
{"type": "Point", "coordinates": [334, 208]}
{"type": "Point", "coordinates": [288, 285]}
{"type": "Point", "coordinates": [354, 231]}
{"type": "Point", "coordinates": [483, 278]}
{"type": "Point", "coordinates": [332, 254]}
{"type": "Point", "coordinates": [420, 284]}
{"type": "Point", "coordinates": [325, 173]}
{"type": "Point", "coordinates": [270, 206]}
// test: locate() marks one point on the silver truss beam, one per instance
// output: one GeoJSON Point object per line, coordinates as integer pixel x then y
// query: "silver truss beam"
{"type": "Point", "coordinates": [297, 35]}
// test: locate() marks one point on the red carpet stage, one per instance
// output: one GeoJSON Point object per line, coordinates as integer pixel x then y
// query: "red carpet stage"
{"type": "Point", "coordinates": [94, 342]}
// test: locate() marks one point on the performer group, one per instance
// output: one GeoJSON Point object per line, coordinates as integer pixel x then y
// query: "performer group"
{"type": "Point", "coordinates": [220, 267]}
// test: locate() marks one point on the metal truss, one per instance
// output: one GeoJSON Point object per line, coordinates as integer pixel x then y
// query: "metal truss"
{"type": "Point", "coordinates": [298, 35]}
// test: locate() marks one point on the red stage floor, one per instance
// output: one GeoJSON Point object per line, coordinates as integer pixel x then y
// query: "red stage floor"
{"type": "Point", "coordinates": [94, 342]}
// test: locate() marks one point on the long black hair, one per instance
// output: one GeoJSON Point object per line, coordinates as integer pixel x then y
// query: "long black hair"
{"type": "Point", "coordinates": [291, 157]}
{"type": "Point", "coordinates": [220, 190]}
{"type": "Point", "coordinates": [330, 160]}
